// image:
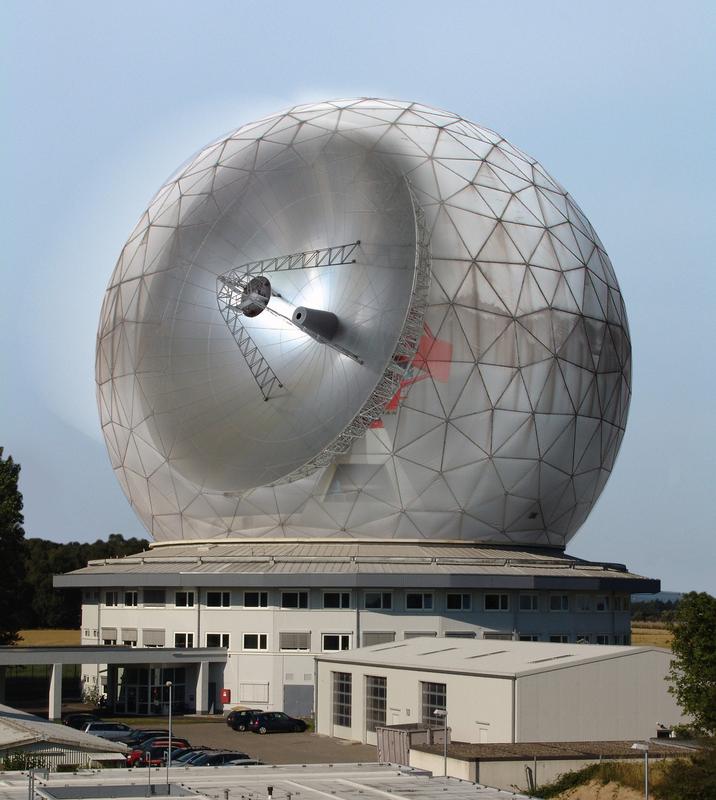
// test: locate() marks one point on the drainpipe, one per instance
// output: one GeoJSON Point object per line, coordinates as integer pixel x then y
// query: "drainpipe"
{"type": "Point", "coordinates": [514, 708]}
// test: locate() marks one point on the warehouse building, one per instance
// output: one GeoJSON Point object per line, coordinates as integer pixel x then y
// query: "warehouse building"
{"type": "Point", "coordinates": [496, 691]}
{"type": "Point", "coordinates": [52, 745]}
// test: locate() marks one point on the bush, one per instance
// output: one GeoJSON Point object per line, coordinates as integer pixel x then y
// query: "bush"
{"type": "Point", "coordinates": [21, 761]}
{"type": "Point", "coordinates": [691, 778]}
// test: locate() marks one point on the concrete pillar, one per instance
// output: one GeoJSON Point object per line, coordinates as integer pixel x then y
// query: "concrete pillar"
{"type": "Point", "coordinates": [54, 707]}
{"type": "Point", "coordinates": [202, 688]}
{"type": "Point", "coordinates": [2, 684]}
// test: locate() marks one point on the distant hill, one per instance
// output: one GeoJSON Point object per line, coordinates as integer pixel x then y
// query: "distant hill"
{"type": "Point", "coordinates": [664, 597]}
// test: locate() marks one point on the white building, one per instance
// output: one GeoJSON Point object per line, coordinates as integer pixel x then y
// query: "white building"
{"type": "Point", "coordinates": [53, 745]}
{"type": "Point", "coordinates": [275, 605]}
{"type": "Point", "coordinates": [497, 691]}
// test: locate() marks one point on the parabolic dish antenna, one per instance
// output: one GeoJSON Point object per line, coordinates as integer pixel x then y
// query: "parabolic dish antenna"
{"type": "Point", "coordinates": [363, 318]}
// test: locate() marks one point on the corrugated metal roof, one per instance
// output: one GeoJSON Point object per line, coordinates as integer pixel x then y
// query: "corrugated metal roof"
{"type": "Point", "coordinates": [352, 557]}
{"type": "Point", "coordinates": [482, 656]}
{"type": "Point", "coordinates": [18, 728]}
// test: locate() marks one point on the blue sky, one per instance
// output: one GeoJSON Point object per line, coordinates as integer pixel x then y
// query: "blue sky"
{"type": "Point", "coordinates": [104, 100]}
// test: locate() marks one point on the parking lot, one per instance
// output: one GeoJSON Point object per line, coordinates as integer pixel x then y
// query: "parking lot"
{"type": "Point", "coordinates": [273, 748]}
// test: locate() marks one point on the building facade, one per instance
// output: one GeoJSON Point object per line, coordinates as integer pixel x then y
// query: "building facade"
{"type": "Point", "coordinates": [274, 606]}
{"type": "Point", "coordinates": [497, 692]}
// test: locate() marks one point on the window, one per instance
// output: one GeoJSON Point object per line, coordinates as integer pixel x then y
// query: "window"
{"type": "Point", "coordinates": [458, 602]}
{"type": "Point", "coordinates": [255, 599]}
{"type": "Point", "coordinates": [559, 602]}
{"type": "Point", "coordinates": [584, 602]}
{"type": "Point", "coordinates": [217, 640]}
{"type": "Point", "coordinates": [497, 602]}
{"type": "Point", "coordinates": [378, 637]}
{"type": "Point", "coordinates": [154, 597]}
{"type": "Point", "coordinates": [131, 598]}
{"type": "Point", "coordinates": [294, 599]}
{"type": "Point", "coordinates": [129, 636]}
{"type": "Point", "coordinates": [342, 699]}
{"type": "Point", "coordinates": [336, 599]}
{"type": "Point", "coordinates": [529, 637]}
{"type": "Point", "coordinates": [378, 600]}
{"type": "Point", "coordinates": [419, 634]}
{"type": "Point", "coordinates": [109, 641]}
{"type": "Point", "coordinates": [111, 598]}
{"type": "Point", "coordinates": [334, 642]}
{"type": "Point", "coordinates": [561, 638]}
{"type": "Point", "coordinates": [183, 640]}
{"type": "Point", "coordinates": [434, 696]}
{"type": "Point", "coordinates": [153, 637]}
{"type": "Point", "coordinates": [601, 638]}
{"type": "Point", "coordinates": [376, 691]}
{"type": "Point", "coordinates": [460, 634]}
{"type": "Point", "coordinates": [602, 603]}
{"type": "Point", "coordinates": [218, 599]}
{"type": "Point", "coordinates": [622, 602]}
{"type": "Point", "coordinates": [184, 599]}
{"type": "Point", "coordinates": [583, 638]}
{"type": "Point", "coordinates": [86, 632]}
{"type": "Point", "coordinates": [255, 641]}
{"type": "Point", "coordinates": [498, 636]}
{"type": "Point", "coordinates": [529, 602]}
{"type": "Point", "coordinates": [419, 601]}
{"type": "Point", "coordinates": [294, 640]}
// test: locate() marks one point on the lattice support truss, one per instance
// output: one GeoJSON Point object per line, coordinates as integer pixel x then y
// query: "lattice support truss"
{"type": "Point", "coordinates": [399, 364]}
{"type": "Point", "coordinates": [230, 285]}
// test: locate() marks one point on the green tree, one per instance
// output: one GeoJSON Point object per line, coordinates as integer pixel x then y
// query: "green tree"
{"type": "Point", "coordinates": [692, 778]}
{"type": "Point", "coordinates": [12, 543]}
{"type": "Point", "coordinates": [693, 671]}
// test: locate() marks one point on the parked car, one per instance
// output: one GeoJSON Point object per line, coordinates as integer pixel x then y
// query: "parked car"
{"type": "Point", "coordinates": [275, 721]}
{"type": "Point", "coordinates": [80, 720]}
{"type": "Point", "coordinates": [114, 731]}
{"type": "Point", "coordinates": [239, 718]}
{"type": "Point", "coordinates": [142, 735]}
{"type": "Point", "coordinates": [189, 754]}
{"type": "Point", "coordinates": [136, 757]}
{"type": "Point", "coordinates": [219, 759]}
{"type": "Point", "coordinates": [189, 760]}
{"type": "Point", "coordinates": [157, 757]}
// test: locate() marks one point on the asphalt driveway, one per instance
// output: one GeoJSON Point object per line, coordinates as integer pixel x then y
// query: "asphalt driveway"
{"type": "Point", "coordinates": [275, 748]}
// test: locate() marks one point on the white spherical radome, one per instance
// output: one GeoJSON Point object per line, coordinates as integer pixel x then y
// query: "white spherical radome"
{"type": "Point", "coordinates": [467, 377]}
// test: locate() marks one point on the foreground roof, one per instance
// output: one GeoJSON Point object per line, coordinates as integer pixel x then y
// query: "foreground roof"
{"type": "Point", "coordinates": [545, 751]}
{"type": "Point", "coordinates": [356, 563]}
{"type": "Point", "coordinates": [502, 659]}
{"type": "Point", "coordinates": [19, 729]}
{"type": "Point", "coordinates": [307, 781]}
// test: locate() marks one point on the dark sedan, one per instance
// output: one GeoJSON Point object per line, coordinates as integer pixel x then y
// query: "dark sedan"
{"type": "Point", "coordinates": [219, 759]}
{"type": "Point", "coordinates": [275, 722]}
{"type": "Point", "coordinates": [240, 718]}
{"type": "Point", "coordinates": [80, 721]}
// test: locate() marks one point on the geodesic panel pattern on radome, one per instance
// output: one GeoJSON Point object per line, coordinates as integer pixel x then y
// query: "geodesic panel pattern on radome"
{"type": "Point", "coordinates": [472, 381]}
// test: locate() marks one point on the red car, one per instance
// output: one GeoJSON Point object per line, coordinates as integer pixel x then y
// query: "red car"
{"type": "Point", "coordinates": [156, 748]}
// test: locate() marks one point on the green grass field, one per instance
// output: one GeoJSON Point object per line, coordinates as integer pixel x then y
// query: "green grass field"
{"type": "Point", "coordinates": [642, 633]}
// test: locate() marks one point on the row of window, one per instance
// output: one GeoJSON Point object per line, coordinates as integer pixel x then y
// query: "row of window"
{"type": "Point", "coordinates": [300, 641]}
{"type": "Point", "coordinates": [433, 697]}
{"type": "Point", "coordinates": [414, 601]}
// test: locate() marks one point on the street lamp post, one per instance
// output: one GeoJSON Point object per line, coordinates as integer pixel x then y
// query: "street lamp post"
{"type": "Point", "coordinates": [644, 747]}
{"type": "Point", "coordinates": [169, 686]}
{"type": "Point", "coordinates": [442, 712]}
